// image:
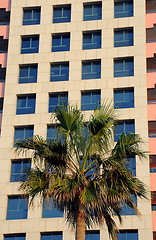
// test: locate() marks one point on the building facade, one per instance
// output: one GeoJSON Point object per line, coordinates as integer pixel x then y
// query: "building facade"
{"type": "Point", "coordinates": [85, 52]}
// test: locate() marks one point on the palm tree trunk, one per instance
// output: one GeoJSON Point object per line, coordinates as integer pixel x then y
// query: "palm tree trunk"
{"type": "Point", "coordinates": [80, 227]}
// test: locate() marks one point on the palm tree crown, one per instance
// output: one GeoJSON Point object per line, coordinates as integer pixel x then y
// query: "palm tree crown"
{"type": "Point", "coordinates": [83, 171]}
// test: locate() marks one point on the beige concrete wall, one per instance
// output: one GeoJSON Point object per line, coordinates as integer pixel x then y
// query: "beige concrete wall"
{"type": "Point", "coordinates": [35, 224]}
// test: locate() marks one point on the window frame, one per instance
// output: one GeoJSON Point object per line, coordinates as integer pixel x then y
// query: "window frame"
{"type": "Point", "coordinates": [125, 71]}
{"type": "Point", "coordinates": [30, 67]}
{"type": "Point", "coordinates": [62, 47]}
{"type": "Point", "coordinates": [88, 46]}
{"type": "Point", "coordinates": [28, 109]}
{"type": "Point", "coordinates": [126, 232]}
{"type": "Point", "coordinates": [63, 19]}
{"type": "Point", "coordinates": [93, 75]}
{"type": "Point", "coordinates": [60, 96]}
{"type": "Point", "coordinates": [123, 122]}
{"type": "Point", "coordinates": [84, 106]}
{"type": "Point", "coordinates": [25, 128]}
{"type": "Point", "coordinates": [15, 236]}
{"type": "Point", "coordinates": [48, 208]}
{"type": "Point", "coordinates": [54, 233]}
{"type": "Point", "coordinates": [124, 92]}
{"type": "Point", "coordinates": [123, 13]}
{"type": "Point", "coordinates": [30, 49]}
{"type": "Point", "coordinates": [90, 232]}
{"type": "Point", "coordinates": [14, 175]}
{"type": "Point", "coordinates": [124, 42]}
{"type": "Point", "coordinates": [32, 20]}
{"type": "Point", "coordinates": [60, 76]}
{"type": "Point", "coordinates": [92, 17]}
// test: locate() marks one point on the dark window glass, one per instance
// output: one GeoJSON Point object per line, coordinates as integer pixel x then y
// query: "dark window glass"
{"type": "Point", "coordinates": [91, 69]}
{"type": "Point", "coordinates": [18, 168]}
{"type": "Point", "coordinates": [1, 105]}
{"type": "Point", "coordinates": [31, 16]}
{"type": "Point", "coordinates": [59, 72]}
{"type": "Point", "coordinates": [22, 133]}
{"type": "Point", "coordinates": [61, 42]}
{"type": "Point", "coordinates": [153, 207]}
{"type": "Point", "coordinates": [30, 44]}
{"type": "Point", "coordinates": [49, 211]}
{"type": "Point", "coordinates": [17, 208]}
{"type": "Point", "coordinates": [124, 126]}
{"type": "Point", "coordinates": [123, 37]}
{"type": "Point", "coordinates": [28, 73]}
{"type": "Point", "coordinates": [127, 235]}
{"type": "Point", "coordinates": [92, 11]}
{"type": "Point", "coordinates": [52, 236]}
{"type": "Point", "coordinates": [124, 98]}
{"type": "Point", "coordinates": [90, 100]}
{"type": "Point", "coordinates": [26, 104]}
{"type": "Point", "coordinates": [92, 40]}
{"type": "Point", "coordinates": [57, 99]}
{"type": "Point", "coordinates": [52, 132]}
{"type": "Point", "coordinates": [92, 235]}
{"type": "Point", "coordinates": [18, 236]}
{"type": "Point", "coordinates": [62, 14]}
{"type": "Point", "coordinates": [131, 165]}
{"type": "Point", "coordinates": [124, 67]}
{"type": "Point", "coordinates": [123, 9]}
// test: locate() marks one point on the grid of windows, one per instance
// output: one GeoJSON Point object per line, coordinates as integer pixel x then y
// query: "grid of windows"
{"type": "Point", "coordinates": [59, 72]}
{"type": "Point", "coordinates": [123, 8]}
{"type": "Point", "coordinates": [17, 208]}
{"type": "Point", "coordinates": [124, 98]}
{"type": "Point", "coordinates": [26, 104]}
{"type": "Point", "coordinates": [22, 133]}
{"type": "Point", "coordinates": [62, 14]}
{"type": "Point", "coordinates": [123, 37]}
{"type": "Point", "coordinates": [123, 126]}
{"type": "Point", "coordinates": [28, 73]}
{"type": "Point", "coordinates": [61, 42]}
{"type": "Point", "coordinates": [31, 16]}
{"type": "Point", "coordinates": [90, 99]}
{"type": "Point", "coordinates": [57, 99]}
{"type": "Point", "coordinates": [124, 67]}
{"type": "Point", "coordinates": [91, 69]}
{"type": "Point", "coordinates": [52, 236]}
{"type": "Point", "coordinates": [127, 235]}
{"type": "Point", "coordinates": [92, 235]}
{"type": "Point", "coordinates": [18, 236]}
{"type": "Point", "coordinates": [18, 168]}
{"type": "Point", "coordinates": [49, 211]}
{"type": "Point", "coordinates": [91, 40]}
{"type": "Point", "coordinates": [92, 11]}
{"type": "Point", "coordinates": [30, 44]}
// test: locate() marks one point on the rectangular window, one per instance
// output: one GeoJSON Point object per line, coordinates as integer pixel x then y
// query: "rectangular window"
{"type": "Point", "coordinates": [92, 11]}
{"type": "Point", "coordinates": [61, 42]}
{"type": "Point", "coordinates": [124, 67]}
{"type": "Point", "coordinates": [1, 104]}
{"type": "Point", "coordinates": [57, 99]}
{"type": "Point", "coordinates": [124, 98]}
{"type": "Point", "coordinates": [23, 132]}
{"type": "Point", "coordinates": [26, 104]}
{"type": "Point", "coordinates": [123, 37]}
{"type": "Point", "coordinates": [123, 9]}
{"type": "Point", "coordinates": [30, 44]}
{"type": "Point", "coordinates": [18, 236]}
{"type": "Point", "coordinates": [127, 235]}
{"type": "Point", "coordinates": [91, 69]}
{"type": "Point", "coordinates": [127, 210]}
{"type": "Point", "coordinates": [92, 40]}
{"type": "Point", "coordinates": [28, 73]}
{"type": "Point", "coordinates": [18, 168]}
{"type": "Point", "coordinates": [131, 165]}
{"type": "Point", "coordinates": [90, 99]}
{"type": "Point", "coordinates": [52, 132]}
{"type": "Point", "coordinates": [92, 235]}
{"type": "Point", "coordinates": [17, 208]}
{"type": "Point", "coordinates": [49, 211]}
{"type": "Point", "coordinates": [153, 207]}
{"type": "Point", "coordinates": [52, 236]}
{"type": "Point", "coordinates": [31, 16]}
{"type": "Point", "coordinates": [124, 126]}
{"type": "Point", "coordinates": [62, 14]}
{"type": "Point", "coordinates": [59, 72]}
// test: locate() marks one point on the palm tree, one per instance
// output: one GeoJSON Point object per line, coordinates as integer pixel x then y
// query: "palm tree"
{"type": "Point", "coordinates": [83, 171]}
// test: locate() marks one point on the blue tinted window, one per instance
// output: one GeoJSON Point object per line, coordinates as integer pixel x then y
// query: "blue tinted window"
{"type": "Point", "coordinates": [57, 99]}
{"type": "Point", "coordinates": [90, 100]}
{"type": "Point", "coordinates": [22, 133]}
{"type": "Point", "coordinates": [28, 73]}
{"type": "Point", "coordinates": [52, 132]}
{"type": "Point", "coordinates": [131, 165]}
{"type": "Point", "coordinates": [127, 235]}
{"type": "Point", "coordinates": [17, 208]}
{"type": "Point", "coordinates": [92, 40]}
{"type": "Point", "coordinates": [92, 235]}
{"type": "Point", "coordinates": [61, 42]}
{"type": "Point", "coordinates": [59, 72]}
{"type": "Point", "coordinates": [153, 207]}
{"type": "Point", "coordinates": [123, 9]}
{"type": "Point", "coordinates": [91, 69]}
{"type": "Point", "coordinates": [18, 168]}
{"type": "Point", "coordinates": [124, 127]}
{"type": "Point", "coordinates": [124, 67]}
{"type": "Point", "coordinates": [62, 14]}
{"type": "Point", "coordinates": [52, 236]}
{"type": "Point", "coordinates": [30, 44]}
{"type": "Point", "coordinates": [31, 16]}
{"type": "Point", "coordinates": [124, 98]}
{"type": "Point", "coordinates": [26, 104]}
{"type": "Point", "coordinates": [92, 11]}
{"type": "Point", "coordinates": [15, 237]}
{"type": "Point", "coordinates": [123, 37]}
{"type": "Point", "coordinates": [127, 210]}
{"type": "Point", "coordinates": [49, 211]}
